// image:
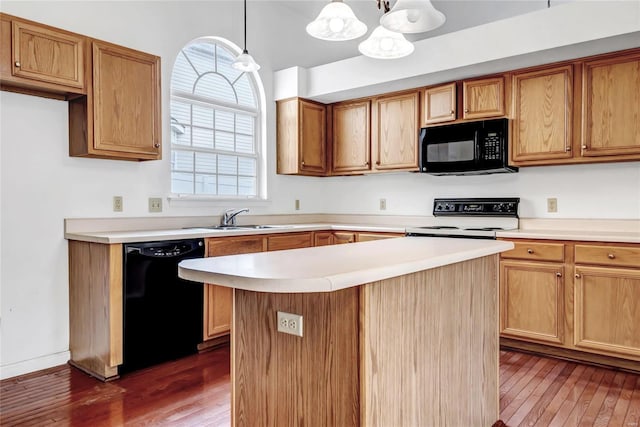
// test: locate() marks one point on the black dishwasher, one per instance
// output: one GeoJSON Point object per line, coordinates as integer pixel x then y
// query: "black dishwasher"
{"type": "Point", "coordinates": [162, 313]}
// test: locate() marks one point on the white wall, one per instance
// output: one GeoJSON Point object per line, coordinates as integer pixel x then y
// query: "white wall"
{"type": "Point", "coordinates": [41, 185]}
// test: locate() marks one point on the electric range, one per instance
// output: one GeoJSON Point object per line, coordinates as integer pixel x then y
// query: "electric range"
{"type": "Point", "coordinates": [478, 218]}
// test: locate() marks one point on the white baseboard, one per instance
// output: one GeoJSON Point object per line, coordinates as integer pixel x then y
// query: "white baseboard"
{"type": "Point", "coordinates": [32, 365]}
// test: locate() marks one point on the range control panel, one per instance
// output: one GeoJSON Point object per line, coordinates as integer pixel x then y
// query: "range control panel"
{"type": "Point", "coordinates": [476, 206]}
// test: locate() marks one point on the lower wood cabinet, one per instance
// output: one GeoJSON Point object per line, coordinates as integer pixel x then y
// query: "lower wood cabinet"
{"type": "Point", "coordinates": [580, 298]}
{"type": "Point", "coordinates": [323, 238]}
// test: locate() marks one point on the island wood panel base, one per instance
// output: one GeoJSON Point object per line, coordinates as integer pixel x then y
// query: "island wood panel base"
{"type": "Point", "coordinates": [419, 349]}
{"type": "Point", "coordinates": [285, 380]}
{"type": "Point", "coordinates": [95, 308]}
{"type": "Point", "coordinates": [430, 350]}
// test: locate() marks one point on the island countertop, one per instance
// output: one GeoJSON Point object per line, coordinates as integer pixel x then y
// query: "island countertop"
{"type": "Point", "coordinates": [331, 268]}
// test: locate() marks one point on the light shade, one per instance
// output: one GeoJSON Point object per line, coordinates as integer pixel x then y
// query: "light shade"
{"type": "Point", "coordinates": [245, 62]}
{"type": "Point", "coordinates": [336, 22]}
{"type": "Point", "coordinates": [385, 44]}
{"type": "Point", "coordinates": [412, 16]}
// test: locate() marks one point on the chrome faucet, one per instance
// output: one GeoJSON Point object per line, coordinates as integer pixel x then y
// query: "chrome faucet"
{"type": "Point", "coordinates": [229, 216]}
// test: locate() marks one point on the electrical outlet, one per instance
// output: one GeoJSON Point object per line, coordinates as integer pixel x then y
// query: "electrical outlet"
{"type": "Point", "coordinates": [552, 205]}
{"type": "Point", "coordinates": [155, 204]}
{"type": "Point", "coordinates": [297, 204]}
{"type": "Point", "coordinates": [383, 204]}
{"type": "Point", "coordinates": [289, 323]}
{"type": "Point", "coordinates": [117, 203]}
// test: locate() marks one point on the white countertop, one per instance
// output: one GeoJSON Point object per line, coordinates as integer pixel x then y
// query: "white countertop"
{"type": "Point", "coordinates": [576, 235]}
{"type": "Point", "coordinates": [330, 268]}
{"type": "Point", "coordinates": [137, 236]}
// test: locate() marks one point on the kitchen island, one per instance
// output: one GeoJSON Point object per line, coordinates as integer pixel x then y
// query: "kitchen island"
{"type": "Point", "coordinates": [395, 332]}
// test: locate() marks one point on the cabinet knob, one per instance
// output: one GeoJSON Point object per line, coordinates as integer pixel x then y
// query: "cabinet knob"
{"type": "Point", "coordinates": [366, 163]}
{"type": "Point", "coordinates": [584, 146]}
{"type": "Point", "coordinates": [529, 251]}
{"type": "Point", "coordinates": [611, 256]}
{"type": "Point", "coordinates": [577, 276]}
{"type": "Point", "coordinates": [18, 64]}
{"type": "Point", "coordinates": [378, 162]}
{"type": "Point", "coordinates": [567, 149]}
{"type": "Point", "coordinates": [302, 163]}
{"type": "Point", "coordinates": [558, 274]}
{"type": "Point", "coordinates": [156, 145]}
{"type": "Point", "coordinates": [466, 110]}
{"type": "Point", "coordinates": [452, 112]}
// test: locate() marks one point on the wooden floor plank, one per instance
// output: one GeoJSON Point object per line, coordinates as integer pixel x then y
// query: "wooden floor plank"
{"type": "Point", "coordinates": [196, 391]}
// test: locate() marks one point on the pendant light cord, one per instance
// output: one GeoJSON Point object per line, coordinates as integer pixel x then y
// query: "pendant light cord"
{"type": "Point", "coordinates": [245, 25]}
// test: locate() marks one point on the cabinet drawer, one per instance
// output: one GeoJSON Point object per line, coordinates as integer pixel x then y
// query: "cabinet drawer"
{"type": "Point", "coordinates": [289, 241]}
{"type": "Point", "coordinates": [536, 251]}
{"type": "Point", "coordinates": [608, 255]}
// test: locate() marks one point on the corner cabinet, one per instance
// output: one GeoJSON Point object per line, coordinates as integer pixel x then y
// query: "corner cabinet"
{"type": "Point", "coordinates": [543, 115]}
{"type": "Point", "coordinates": [120, 116]}
{"type": "Point", "coordinates": [395, 129]}
{"type": "Point", "coordinates": [301, 137]}
{"type": "Point", "coordinates": [611, 106]}
{"type": "Point", "coordinates": [41, 58]}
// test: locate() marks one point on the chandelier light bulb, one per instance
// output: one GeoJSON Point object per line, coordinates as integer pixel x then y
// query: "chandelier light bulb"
{"type": "Point", "coordinates": [385, 44]}
{"type": "Point", "coordinates": [336, 22]}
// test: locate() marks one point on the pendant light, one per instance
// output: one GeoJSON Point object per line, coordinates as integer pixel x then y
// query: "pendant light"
{"type": "Point", "coordinates": [244, 61]}
{"type": "Point", "coordinates": [412, 16]}
{"type": "Point", "coordinates": [336, 22]}
{"type": "Point", "coordinates": [385, 44]}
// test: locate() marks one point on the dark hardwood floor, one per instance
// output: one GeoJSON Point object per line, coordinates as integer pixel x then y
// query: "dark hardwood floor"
{"type": "Point", "coordinates": [195, 391]}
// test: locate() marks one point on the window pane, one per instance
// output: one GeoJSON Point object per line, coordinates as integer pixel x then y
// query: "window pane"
{"type": "Point", "coordinates": [244, 144]}
{"type": "Point", "coordinates": [180, 112]}
{"type": "Point", "coordinates": [215, 86]}
{"type": "Point", "coordinates": [227, 165]}
{"type": "Point", "coordinates": [205, 184]}
{"type": "Point", "coordinates": [244, 124]}
{"type": "Point", "coordinates": [246, 186]}
{"type": "Point", "coordinates": [205, 162]}
{"type": "Point", "coordinates": [245, 92]}
{"type": "Point", "coordinates": [225, 59]}
{"type": "Point", "coordinates": [224, 141]}
{"type": "Point", "coordinates": [201, 57]}
{"type": "Point", "coordinates": [180, 135]}
{"type": "Point", "coordinates": [183, 75]}
{"type": "Point", "coordinates": [181, 183]}
{"type": "Point", "coordinates": [202, 138]}
{"type": "Point", "coordinates": [182, 161]}
{"type": "Point", "coordinates": [246, 166]}
{"type": "Point", "coordinates": [224, 120]}
{"type": "Point", "coordinates": [203, 116]}
{"type": "Point", "coordinates": [227, 185]}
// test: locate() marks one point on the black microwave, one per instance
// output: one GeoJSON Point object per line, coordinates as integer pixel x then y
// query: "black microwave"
{"type": "Point", "coordinates": [466, 148]}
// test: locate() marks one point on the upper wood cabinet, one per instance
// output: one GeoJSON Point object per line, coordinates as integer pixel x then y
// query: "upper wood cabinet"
{"type": "Point", "coordinates": [439, 104]}
{"type": "Point", "coordinates": [351, 137]}
{"type": "Point", "coordinates": [41, 58]}
{"type": "Point", "coordinates": [120, 116]}
{"type": "Point", "coordinates": [542, 115]}
{"type": "Point", "coordinates": [483, 98]}
{"type": "Point", "coordinates": [395, 128]}
{"type": "Point", "coordinates": [611, 106]}
{"type": "Point", "coordinates": [301, 137]}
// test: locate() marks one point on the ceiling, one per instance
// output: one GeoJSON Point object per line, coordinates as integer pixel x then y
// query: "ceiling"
{"type": "Point", "coordinates": [287, 28]}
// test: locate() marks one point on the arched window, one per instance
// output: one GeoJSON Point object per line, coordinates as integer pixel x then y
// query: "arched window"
{"type": "Point", "coordinates": [216, 116]}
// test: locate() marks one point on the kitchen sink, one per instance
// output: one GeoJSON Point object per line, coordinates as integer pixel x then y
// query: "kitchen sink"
{"type": "Point", "coordinates": [242, 227]}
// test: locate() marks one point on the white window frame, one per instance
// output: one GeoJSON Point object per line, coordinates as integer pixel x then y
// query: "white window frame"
{"type": "Point", "coordinates": [258, 113]}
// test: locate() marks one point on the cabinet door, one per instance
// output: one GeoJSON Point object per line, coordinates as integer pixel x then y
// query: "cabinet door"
{"type": "Point", "coordinates": [289, 241]}
{"type": "Point", "coordinates": [351, 122]}
{"type": "Point", "coordinates": [531, 301]}
{"type": "Point", "coordinates": [395, 132]}
{"type": "Point", "coordinates": [218, 300]}
{"type": "Point", "coordinates": [126, 102]}
{"type": "Point", "coordinates": [368, 237]}
{"type": "Point", "coordinates": [323, 238]}
{"type": "Point", "coordinates": [607, 310]}
{"type": "Point", "coordinates": [483, 98]}
{"type": "Point", "coordinates": [44, 54]}
{"type": "Point", "coordinates": [543, 114]}
{"type": "Point", "coordinates": [340, 237]}
{"type": "Point", "coordinates": [439, 104]}
{"type": "Point", "coordinates": [611, 106]}
{"type": "Point", "coordinates": [312, 138]}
